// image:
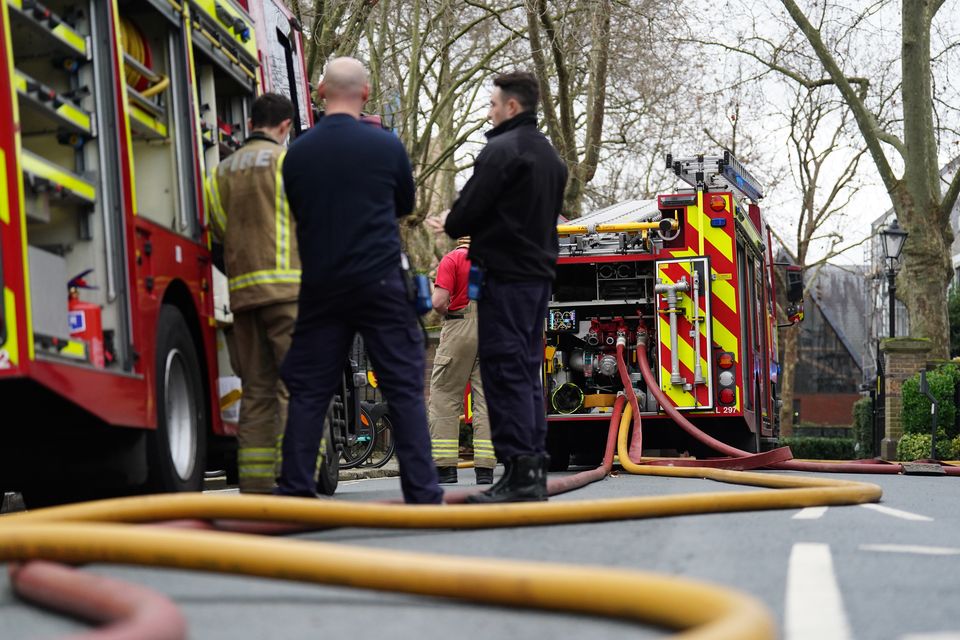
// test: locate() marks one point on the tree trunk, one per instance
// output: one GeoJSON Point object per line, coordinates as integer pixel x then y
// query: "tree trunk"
{"type": "Point", "coordinates": [927, 266]}
{"type": "Point", "coordinates": [791, 354]}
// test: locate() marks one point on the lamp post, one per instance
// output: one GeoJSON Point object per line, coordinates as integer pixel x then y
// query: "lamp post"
{"type": "Point", "coordinates": [892, 238]}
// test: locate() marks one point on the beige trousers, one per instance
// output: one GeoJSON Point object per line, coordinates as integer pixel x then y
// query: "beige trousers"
{"type": "Point", "coordinates": [262, 337]}
{"type": "Point", "coordinates": [454, 365]}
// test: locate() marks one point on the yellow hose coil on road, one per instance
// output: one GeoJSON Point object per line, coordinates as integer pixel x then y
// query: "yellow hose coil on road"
{"type": "Point", "coordinates": [90, 533]}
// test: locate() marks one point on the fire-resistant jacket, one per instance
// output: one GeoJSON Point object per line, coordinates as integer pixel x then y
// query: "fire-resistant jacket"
{"type": "Point", "coordinates": [250, 215]}
{"type": "Point", "coordinates": [509, 207]}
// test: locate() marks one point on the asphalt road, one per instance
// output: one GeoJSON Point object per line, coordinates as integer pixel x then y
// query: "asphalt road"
{"type": "Point", "coordinates": [835, 573]}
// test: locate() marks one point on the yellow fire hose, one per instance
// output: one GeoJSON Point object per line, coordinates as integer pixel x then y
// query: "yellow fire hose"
{"type": "Point", "coordinates": [90, 533]}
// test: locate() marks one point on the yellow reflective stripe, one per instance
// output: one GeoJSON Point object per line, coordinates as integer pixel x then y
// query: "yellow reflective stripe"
{"type": "Point", "coordinates": [11, 346]}
{"type": "Point", "coordinates": [217, 213]}
{"type": "Point", "coordinates": [4, 197]}
{"type": "Point", "coordinates": [263, 471]}
{"type": "Point", "coordinates": [282, 212]}
{"type": "Point", "coordinates": [42, 168]}
{"type": "Point", "coordinates": [71, 37]}
{"type": "Point", "coordinates": [447, 440]}
{"type": "Point", "coordinates": [20, 82]}
{"type": "Point", "coordinates": [271, 276]}
{"type": "Point", "coordinates": [149, 121]}
{"type": "Point", "coordinates": [257, 454]}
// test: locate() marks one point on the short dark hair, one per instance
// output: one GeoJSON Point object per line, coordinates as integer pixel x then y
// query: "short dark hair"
{"type": "Point", "coordinates": [269, 110]}
{"type": "Point", "coordinates": [522, 86]}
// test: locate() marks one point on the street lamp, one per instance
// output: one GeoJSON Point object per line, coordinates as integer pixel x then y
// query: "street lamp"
{"type": "Point", "coordinates": [892, 237]}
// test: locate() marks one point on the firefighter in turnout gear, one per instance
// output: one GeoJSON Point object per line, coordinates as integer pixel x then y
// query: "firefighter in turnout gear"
{"type": "Point", "coordinates": [250, 216]}
{"type": "Point", "coordinates": [455, 364]}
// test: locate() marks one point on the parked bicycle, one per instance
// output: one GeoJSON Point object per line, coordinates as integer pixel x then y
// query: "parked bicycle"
{"type": "Point", "coordinates": [383, 443]}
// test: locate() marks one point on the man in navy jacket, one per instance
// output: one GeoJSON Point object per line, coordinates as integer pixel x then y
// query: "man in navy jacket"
{"type": "Point", "coordinates": [347, 183]}
{"type": "Point", "coordinates": [509, 207]}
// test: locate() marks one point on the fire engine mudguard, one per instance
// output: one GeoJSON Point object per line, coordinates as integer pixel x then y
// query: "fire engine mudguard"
{"type": "Point", "coordinates": [176, 449]}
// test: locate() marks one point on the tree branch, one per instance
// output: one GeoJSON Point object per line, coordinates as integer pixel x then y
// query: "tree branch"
{"type": "Point", "coordinates": [950, 198]}
{"type": "Point", "coordinates": [794, 75]}
{"type": "Point", "coordinates": [546, 93]}
{"type": "Point", "coordinates": [865, 119]}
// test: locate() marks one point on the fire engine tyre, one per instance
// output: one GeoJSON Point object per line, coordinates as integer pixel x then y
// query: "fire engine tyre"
{"type": "Point", "coordinates": [328, 475]}
{"type": "Point", "coordinates": [176, 450]}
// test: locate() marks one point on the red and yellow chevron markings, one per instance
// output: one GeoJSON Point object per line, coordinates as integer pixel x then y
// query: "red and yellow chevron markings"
{"type": "Point", "coordinates": [719, 246]}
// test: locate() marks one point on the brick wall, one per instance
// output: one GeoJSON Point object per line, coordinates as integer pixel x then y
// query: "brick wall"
{"type": "Point", "coordinates": [833, 409]}
{"type": "Point", "coordinates": [903, 357]}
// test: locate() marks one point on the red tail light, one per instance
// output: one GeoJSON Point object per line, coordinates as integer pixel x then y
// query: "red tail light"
{"type": "Point", "coordinates": [725, 360]}
{"type": "Point", "coordinates": [727, 396]}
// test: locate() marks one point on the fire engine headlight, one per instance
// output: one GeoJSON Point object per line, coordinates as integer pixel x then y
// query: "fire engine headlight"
{"type": "Point", "coordinates": [726, 378]}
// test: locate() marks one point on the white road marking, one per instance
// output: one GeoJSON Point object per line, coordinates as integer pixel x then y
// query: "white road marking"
{"type": "Point", "coordinates": [938, 635]}
{"type": "Point", "coordinates": [810, 513]}
{"type": "Point", "coordinates": [911, 548]}
{"type": "Point", "coordinates": [897, 513]}
{"type": "Point", "coordinates": [814, 607]}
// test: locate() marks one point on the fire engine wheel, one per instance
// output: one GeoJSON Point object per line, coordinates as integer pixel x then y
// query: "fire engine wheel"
{"type": "Point", "coordinates": [328, 475]}
{"type": "Point", "coordinates": [177, 448]}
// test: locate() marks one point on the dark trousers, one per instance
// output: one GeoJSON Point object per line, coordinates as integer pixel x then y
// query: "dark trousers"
{"type": "Point", "coordinates": [382, 314]}
{"type": "Point", "coordinates": [511, 362]}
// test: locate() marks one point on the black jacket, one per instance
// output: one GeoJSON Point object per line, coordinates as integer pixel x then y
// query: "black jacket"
{"type": "Point", "coordinates": [509, 207]}
{"type": "Point", "coordinates": [347, 184]}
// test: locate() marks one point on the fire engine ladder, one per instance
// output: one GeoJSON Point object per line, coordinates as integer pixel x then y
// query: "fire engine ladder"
{"type": "Point", "coordinates": [713, 173]}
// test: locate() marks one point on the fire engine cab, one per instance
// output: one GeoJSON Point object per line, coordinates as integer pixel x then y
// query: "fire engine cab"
{"type": "Point", "coordinates": [112, 112]}
{"type": "Point", "coordinates": [688, 279]}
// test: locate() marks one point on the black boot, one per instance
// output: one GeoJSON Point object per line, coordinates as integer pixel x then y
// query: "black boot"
{"type": "Point", "coordinates": [447, 475]}
{"type": "Point", "coordinates": [484, 476]}
{"type": "Point", "coordinates": [523, 480]}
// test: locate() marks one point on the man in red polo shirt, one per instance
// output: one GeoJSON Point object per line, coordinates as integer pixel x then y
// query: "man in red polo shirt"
{"type": "Point", "coordinates": [454, 365]}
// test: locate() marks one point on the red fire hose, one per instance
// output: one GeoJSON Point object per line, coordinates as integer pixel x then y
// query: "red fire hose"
{"type": "Point", "coordinates": [733, 452]}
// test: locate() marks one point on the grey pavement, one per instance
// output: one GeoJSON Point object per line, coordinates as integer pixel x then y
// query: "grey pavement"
{"type": "Point", "coordinates": [896, 571]}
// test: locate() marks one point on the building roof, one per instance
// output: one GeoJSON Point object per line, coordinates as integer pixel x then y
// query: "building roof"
{"type": "Point", "coordinates": [840, 292]}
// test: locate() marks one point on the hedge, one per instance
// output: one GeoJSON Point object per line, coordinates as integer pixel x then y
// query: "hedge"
{"type": "Point", "coordinates": [916, 446]}
{"type": "Point", "coordinates": [916, 406]}
{"type": "Point", "coordinates": [863, 427]}
{"type": "Point", "coordinates": [821, 448]}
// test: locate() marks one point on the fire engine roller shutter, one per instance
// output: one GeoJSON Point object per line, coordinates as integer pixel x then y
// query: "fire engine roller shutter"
{"type": "Point", "coordinates": [685, 394]}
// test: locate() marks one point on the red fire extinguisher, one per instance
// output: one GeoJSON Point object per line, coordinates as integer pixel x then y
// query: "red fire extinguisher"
{"type": "Point", "coordinates": [85, 323]}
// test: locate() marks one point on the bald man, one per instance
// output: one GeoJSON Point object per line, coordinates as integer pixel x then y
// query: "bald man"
{"type": "Point", "coordinates": [347, 184]}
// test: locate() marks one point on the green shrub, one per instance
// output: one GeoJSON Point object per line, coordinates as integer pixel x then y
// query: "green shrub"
{"type": "Point", "coordinates": [916, 446]}
{"type": "Point", "coordinates": [916, 406]}
{"type": "Point", "coordinates": [821, 448]}
{"type": "Point", "coordinates": [863, 427]}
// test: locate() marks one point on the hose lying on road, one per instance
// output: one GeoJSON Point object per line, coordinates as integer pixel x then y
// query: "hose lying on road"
{"type": "Point", "coordinates": [99, 532]}
{"type": "Point", "coordinates": [90, 533]}
{"type": "Point", "coordinates": [702, 611]}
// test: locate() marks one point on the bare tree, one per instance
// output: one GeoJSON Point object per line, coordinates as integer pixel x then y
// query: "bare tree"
{"type": "Point", "coordinates": [903, 118]}
{"type": "Point", "coordinates": [825, 170]}
{"type": "Point", "coordinates": [331, 28]}
{"type": "Point", "coordinates": [577, 67]}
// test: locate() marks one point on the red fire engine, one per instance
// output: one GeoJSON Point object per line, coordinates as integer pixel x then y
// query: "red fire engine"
{"type": "Point", "coordinates": [694, 272]}
{"type": "Point", "coordinates": [111, 113]}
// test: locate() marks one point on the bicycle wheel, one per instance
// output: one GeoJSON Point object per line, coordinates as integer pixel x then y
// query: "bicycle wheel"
{"type": "Point", "coordinates": [358, 445]}
{"type": "Point", "coordinates": [383, 442]}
